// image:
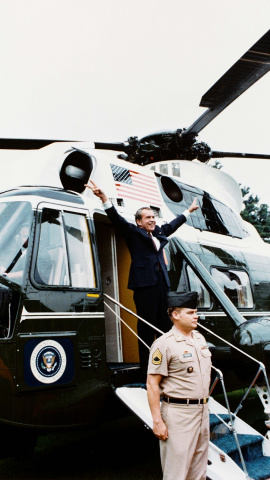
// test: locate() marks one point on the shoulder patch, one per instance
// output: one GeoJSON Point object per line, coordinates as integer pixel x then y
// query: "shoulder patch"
{"type": "Point", "coordinates": [157, 357]}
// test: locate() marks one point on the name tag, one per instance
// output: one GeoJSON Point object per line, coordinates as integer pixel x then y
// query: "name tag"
{"type": "Point", "coordinates": [188, 354]}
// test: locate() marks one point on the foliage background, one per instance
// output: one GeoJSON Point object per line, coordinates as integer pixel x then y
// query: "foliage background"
{"type": "Point", "coordinates": [257, 214]}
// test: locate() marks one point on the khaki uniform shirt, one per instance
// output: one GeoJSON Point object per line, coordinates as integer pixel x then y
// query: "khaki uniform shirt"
{"type": "Point", "coordinates": [185, 364]}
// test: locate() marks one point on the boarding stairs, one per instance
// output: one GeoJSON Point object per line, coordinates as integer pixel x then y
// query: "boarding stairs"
{"type": "Point", "coordinates": [240, 453]}
{"type": "Point", "coordinates": [236, 450]}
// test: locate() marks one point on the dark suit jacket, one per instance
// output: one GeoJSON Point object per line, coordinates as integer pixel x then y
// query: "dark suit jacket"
{"type": "Point", "coordinates": [145, 259]}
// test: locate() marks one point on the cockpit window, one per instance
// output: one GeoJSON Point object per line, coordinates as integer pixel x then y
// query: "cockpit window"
{"type": "Point", "coordinates": [64, 255]}
{"type": "Point", "coordinates": [80, 251]}
{"type": "Point", "coordinates": [204, 300]}
{"type": "Point", "coordinates": [51, 265]}
{"type": "Point", "coordinates": [15, 224]}
{"type": "Point", "coordinates": [212, 216]}
{"type": "Point", "coordinates": [236, 285]}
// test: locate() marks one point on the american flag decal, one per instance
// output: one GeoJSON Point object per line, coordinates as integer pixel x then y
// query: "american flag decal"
{"type": "Point", "coordinates": [136, 185]}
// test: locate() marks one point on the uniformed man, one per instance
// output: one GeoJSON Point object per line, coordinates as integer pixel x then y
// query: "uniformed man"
{"type": "Point", "coordinates": [179, 373]}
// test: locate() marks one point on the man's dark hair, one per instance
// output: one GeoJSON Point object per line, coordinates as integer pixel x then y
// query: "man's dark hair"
{"type": "Point", "coordinates": [171, 310]}
{"type": "Point", "coordinates": [138, 214]}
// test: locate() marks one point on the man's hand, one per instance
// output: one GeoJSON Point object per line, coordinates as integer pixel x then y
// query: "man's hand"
{"type": "Point", "coordinates": [97, 191]}
{"type": "Point", "coordinates": [193, 206]}
{"type": "Point", "coordinates": [160, 430]}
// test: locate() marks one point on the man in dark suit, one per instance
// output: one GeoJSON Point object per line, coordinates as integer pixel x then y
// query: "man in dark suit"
{"type": "Point", "coordinates": [148, 276]}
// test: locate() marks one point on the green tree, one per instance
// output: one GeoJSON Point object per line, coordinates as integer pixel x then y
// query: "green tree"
{"type": "Point", "coordinates": [257, 214]}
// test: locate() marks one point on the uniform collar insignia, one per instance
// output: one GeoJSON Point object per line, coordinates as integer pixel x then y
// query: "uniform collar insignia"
{"type": "Point", "coordinates": [177, 335]}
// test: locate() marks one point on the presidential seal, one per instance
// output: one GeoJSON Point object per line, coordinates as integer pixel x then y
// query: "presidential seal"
{"type": "Point", "coordinates": [48, 361]}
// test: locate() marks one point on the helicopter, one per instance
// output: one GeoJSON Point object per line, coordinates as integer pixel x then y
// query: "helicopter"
{"type": "Point", "coordinates": [64, 349]}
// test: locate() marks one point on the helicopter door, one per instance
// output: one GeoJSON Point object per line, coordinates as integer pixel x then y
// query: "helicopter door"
{"type": "Point", "coordinates": [114, 257]}
{"type": "Point", "coordinates": [108, 264]}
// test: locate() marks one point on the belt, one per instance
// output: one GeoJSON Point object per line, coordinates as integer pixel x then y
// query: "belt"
{"type": "Point", "coordinates": [185, 401]}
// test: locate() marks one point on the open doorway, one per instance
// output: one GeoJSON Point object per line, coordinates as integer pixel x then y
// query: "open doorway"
{"type": "Point", "coordinates": [114, 258]}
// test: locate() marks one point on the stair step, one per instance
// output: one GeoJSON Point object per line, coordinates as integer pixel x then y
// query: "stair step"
{"type": "Point", "coordinates": [259, 468]}
{"type": "Point", "coordinates": [228, 445]}
{"type": "Point", "coordinates": [251, 446]}
{"type": "Point", "coordinates": [214, 420]}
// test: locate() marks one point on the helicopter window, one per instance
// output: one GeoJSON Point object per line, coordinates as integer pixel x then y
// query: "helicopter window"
{"type": "Point", "coordinates": [15, 223]}
{"type": "Point", "coordinates": [236, 285]}
{"type": "Point", "coordinates": [51, 265]}
{"type": "Point", "coordinates": [163, 168]}
{"type": "Point", "coordinates": [80, 251]}
{"type": "Point", "coordinates": [218, 218]}
{"type": "Point", "coordinates": [213, 215]}
{"type": "Point", "coordinates": [64, 254]}
{"type": "Point", "coordinates": [196, 285]}
{"type": "Point", "coordinates": [197, 220]}
{"type": "Point", "coordinates": [176, 169]}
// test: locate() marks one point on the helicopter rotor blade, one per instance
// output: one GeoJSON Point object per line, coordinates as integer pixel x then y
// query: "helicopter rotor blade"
{"type": "Point", "coordinates": [35, 144]}
{"type": "Point", "coordinates": [118, 147]}
{"type": "Point", "coordinates": [252, 66]}
{"type": "Point", "coordinates": [26, 143]}
{"type": "Point", "coordinates": [216, 154]}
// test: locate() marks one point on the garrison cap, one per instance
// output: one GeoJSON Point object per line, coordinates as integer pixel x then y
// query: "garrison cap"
{"type": "Point", "coordinates": [182, 300]}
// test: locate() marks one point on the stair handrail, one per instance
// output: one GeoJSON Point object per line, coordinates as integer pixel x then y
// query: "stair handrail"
{"type": "Point", "coordinates": [229, 425]}
{"type": "Point", "coordinates": [220, 377]}
{"type": "Point", "coordinates": [134, 315]}
{"type": "Point", "coordinates": [228, 307]}
{"type": "Point", "coordinates": [261, 367]}
{"type": "Point", "coordinates": [118, 316]}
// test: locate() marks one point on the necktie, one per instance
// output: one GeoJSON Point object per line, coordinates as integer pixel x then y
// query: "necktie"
{"type": "Point", "coordinates": [163, 251]}
{"type": "Point", "coordinates": [151, 236]}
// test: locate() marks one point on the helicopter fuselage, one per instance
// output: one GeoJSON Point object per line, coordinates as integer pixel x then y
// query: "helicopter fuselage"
{"type": "Point", "coordinates": [62, 349]}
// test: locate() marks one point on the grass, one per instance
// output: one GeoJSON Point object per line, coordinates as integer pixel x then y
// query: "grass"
{"type": "Point", "coordinates": [251, 411]}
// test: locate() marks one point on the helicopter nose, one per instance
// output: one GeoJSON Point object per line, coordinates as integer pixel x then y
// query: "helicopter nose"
{"type": "Point", "coordinates": [253, 339]}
